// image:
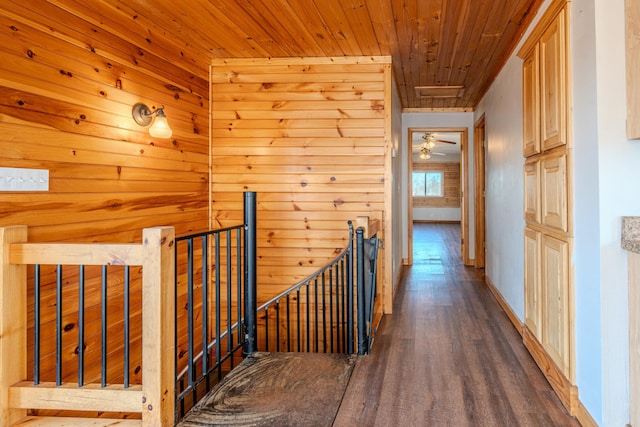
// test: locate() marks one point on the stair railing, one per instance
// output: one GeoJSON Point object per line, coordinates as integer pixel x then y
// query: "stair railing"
{"type": "Point", "coordinates": [216, 303]}
{"type": "Point", "coordinates": [153, 399]}
{"type": "Point", "coordinates": [317, 314]}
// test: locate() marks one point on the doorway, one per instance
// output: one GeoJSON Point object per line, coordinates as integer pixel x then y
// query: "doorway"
{"type": "Point", "coordinates": [415, 139]}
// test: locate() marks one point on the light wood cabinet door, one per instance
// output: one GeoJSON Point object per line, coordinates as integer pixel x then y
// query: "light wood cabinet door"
{"type": "Point", "coordinates": [532, 191]}
{"type": "Point", "coordinates": [531, 104]}
{"type": "Point", "coordinates": [532, 285]}
{"type": "Point", "coordinates": [553, 194]}
{"type": "Point", "coordinates": [555, 298]}
{"type": "Point", "coordinates": [552, 85]}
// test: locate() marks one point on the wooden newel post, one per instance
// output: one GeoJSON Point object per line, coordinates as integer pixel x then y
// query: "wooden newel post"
{"type": "Point", "coordinates": [158, 327]}
{"type": "Point", "coordinates": [13, 322]}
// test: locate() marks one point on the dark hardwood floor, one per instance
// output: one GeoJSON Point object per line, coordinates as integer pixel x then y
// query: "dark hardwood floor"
{"type": "Point", "coordinates": [448, 356]}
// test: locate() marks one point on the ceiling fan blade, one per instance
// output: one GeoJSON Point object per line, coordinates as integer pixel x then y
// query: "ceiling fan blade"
{"type": "Point", "coordinates": [445, 141]}
{"type": "Point", "coordinates": [438, 154]}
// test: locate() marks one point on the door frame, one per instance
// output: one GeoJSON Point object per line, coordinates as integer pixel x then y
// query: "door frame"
{"type": "Point", "coordinates": [464, 188]}
{"type": "Point", "coordinates": [479, 154]}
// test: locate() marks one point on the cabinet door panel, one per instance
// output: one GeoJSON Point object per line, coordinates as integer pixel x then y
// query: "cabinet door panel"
{"type": "Point", "coordinates": [553, 195]}
{"type": "Point", "coordinates": [532, 286]}
{"type": "Point", "coordinates": [552, 85]}
{"type": "Point", "coordinates": [532, 191]}
{"type": "Point", "coordinates": [555, 292]}
{"type": "Point", "coordinates": [530, 104]}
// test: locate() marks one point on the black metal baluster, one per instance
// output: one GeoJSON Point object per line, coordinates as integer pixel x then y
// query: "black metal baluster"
{"type": "Point", "coordinates": [266, 328]}
{"type": "Point", "coordinates": [362, 333]}
{"type": "Point", "coordinates": [331, 337]}
{"type": "Point", "coordinates": [103, 318]}
{"type": "Point", "coordinates": [36, 324]}
{"type": "Point", "coordinates": [127, 328]}
{"type": "Point", "coordinates": [179, 409]}
{"type": "Point", "coordinates": [59, 325]}
{"type": "Point", "coordinates": [349, 283]}
{"type": "Point", "coordinates": [218, 326]}
{"type": "Point", "coordinates": [315, 300]}
{"type": "Point", "coordinates": [341, 315]}
{"type": "Point", "coordinates": [278, 325]}
{"type": "Point", "coordinates": [239, 285]}
{"type": "Point", "coordinates": [308, 317]}
{"type": "Point", "coordinates": [229, 283]}
{"type": "Point", "coordinates": [288, 329]}
{"type": "Point", "coordinates": [81, 328]}
{"type": "Point", "coordinates": [191, 374]}
{"type": "Point", "coordinates": [324, 314]}
{"type": "Point", "coordinates": [205, 309]}
{"type": "Point", "coordinates": [298, 326]}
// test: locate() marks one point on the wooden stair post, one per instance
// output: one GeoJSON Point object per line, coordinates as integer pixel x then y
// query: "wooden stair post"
{"type": "Point", "coordinates": [13, 322]}
{"type": "Point", "coordinates": [158, 319]}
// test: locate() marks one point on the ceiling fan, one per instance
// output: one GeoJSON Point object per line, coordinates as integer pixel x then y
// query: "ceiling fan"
{"type": "Point", "coordinates": [429, 143]}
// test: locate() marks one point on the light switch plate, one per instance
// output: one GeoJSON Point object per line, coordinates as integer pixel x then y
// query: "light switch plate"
{"type": "Point", "coordinates": [20, 179]}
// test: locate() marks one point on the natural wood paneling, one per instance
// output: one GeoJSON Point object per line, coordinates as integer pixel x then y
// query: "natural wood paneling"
{"type": "Point", "coordinates": [65, 105]}
{"type": "Point", "coordinates": [450, 182]}
{"type": "Point", "coordinates": [434, 42]}
{"type": "Point", "coordinates": [632, 18]}
{"type": "Point", "coordinates": [308, 135]}
{"type": "Point", "coordinates": [68, 80]}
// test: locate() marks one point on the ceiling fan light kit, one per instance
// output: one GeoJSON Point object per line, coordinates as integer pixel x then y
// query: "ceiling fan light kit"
{"type": "Point", "coordinates": [426, 148]}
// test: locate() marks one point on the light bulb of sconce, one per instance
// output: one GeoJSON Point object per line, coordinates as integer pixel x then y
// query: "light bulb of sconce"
{"type": "Point", "coordinates": [160, 127]}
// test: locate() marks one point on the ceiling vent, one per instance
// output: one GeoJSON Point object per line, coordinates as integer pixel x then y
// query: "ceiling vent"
{"type": "Point", "coordinates": [439, 91]}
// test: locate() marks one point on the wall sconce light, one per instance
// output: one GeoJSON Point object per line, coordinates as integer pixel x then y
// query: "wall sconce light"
{"type": "Point", "coordinates": [143, 116]}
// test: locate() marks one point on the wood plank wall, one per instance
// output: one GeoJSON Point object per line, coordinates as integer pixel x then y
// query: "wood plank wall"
{"type": "Point", "coordinates": [69, 75]}
{"type": "Point", "coordinates": [66, 92]}
{"type": "Point", "coordinates": [451, 183]}
{"type": "Point", "coordinates": [308, 135]}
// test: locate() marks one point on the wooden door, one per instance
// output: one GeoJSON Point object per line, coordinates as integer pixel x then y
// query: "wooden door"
{"type": "Point", "coordinates": [552, 85]}
{"type": "Point", "coordinates": [531, 104]}
{"type": "Point", "coordinates": [532, 286]}
{"type": "Point", "coordinates": [532, 191]}
{"type": "Point", "coordinates": [464, 201]}
{"type": "Point", "coordinates": [553, 195]}
{"type": "Point", "coordinates": [555, 299]}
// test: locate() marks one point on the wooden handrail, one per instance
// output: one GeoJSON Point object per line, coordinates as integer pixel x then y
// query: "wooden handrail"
{"type": "Point", "coordinates": [154, 399]}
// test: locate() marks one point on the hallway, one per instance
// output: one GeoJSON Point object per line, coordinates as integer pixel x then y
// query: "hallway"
{"type": "Point", "coordinates": [448, 356]}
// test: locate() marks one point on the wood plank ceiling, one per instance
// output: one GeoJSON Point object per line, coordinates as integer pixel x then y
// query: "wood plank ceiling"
{"type": "Point", "coordinates": [459, 43]}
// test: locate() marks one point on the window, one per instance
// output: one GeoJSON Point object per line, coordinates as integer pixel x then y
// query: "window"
{"type": "Point", "coordinates": [427, 184]}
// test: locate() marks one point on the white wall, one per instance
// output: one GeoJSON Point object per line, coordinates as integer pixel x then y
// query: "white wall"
{"type": "Point", "coordinates": [504, 258]}
{"type": "Point", "coordinates": [435, 120]}
{"type": "Point", "coordinates": [436, 214]}
{"type": "Point", "coordinates": [619, 175]}
{"type": "Point", "coordinates": [586, 206]}
{"type": "Point", "coordinates": [606, 173]}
